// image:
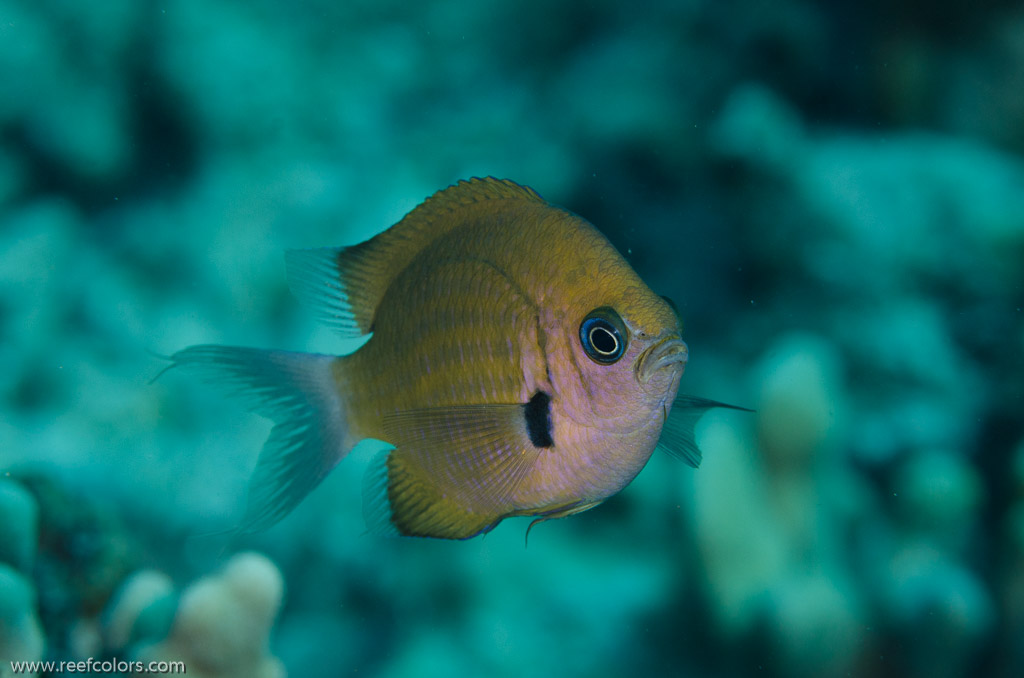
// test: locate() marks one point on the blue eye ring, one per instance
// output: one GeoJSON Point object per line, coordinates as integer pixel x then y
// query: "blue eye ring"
{"type": "Point", "coordinates": [603, 336]}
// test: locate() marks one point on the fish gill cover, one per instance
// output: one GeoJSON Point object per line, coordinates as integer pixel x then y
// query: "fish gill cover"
{"type": "Point", "coordinates": [832, 195]}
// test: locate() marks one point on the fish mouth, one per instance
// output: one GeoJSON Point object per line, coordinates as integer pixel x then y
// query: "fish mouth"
{"type": "Point", "coordinates": [666, 353]}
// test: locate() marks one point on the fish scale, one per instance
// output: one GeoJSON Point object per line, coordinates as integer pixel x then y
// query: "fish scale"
{"type": "Point", "coordinates": [454, 350]}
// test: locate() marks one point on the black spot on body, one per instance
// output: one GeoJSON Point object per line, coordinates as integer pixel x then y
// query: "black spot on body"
{"type": "Point", "coordinates": [538, 419]}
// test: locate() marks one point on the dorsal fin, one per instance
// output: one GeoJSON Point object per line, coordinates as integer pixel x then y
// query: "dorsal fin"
{"type": "Point", "coordinates": [344, 285]}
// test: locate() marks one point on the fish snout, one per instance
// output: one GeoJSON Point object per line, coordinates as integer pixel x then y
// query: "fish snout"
{"type": "Point", "coordinates": [668, 352]}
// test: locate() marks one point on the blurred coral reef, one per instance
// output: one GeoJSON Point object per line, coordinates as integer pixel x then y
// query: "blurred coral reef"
{"type": "Point", "coordinates": [222, 623]}
{"type": "Point", "coordinates": [21, 634]}
{"type": "Point", "coordinates": [833, 194]}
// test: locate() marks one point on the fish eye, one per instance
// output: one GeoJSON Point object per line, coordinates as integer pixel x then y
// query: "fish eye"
{"type": "Point", "coordinates": [603, 335]}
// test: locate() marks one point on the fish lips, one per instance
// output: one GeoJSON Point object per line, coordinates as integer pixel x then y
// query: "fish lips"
{"type": "Point", "coordinates": [664, 354]}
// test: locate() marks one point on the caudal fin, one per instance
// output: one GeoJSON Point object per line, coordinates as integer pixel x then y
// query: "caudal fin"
{"type": "Point", "coordinates": [298, 393]}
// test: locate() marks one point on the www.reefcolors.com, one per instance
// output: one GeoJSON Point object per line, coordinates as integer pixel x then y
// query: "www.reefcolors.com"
{"type": "Point", "coordinates": [91, 665]}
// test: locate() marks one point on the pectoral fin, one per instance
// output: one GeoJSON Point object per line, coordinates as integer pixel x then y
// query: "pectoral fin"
{"type": "Point", "coordinates": [454, 470]}
{"type": "Point", "coordinates": [677, 434]}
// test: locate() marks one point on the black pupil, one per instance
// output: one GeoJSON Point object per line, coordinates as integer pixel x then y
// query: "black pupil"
{"type": "Point", "coordinates": [603, 340]}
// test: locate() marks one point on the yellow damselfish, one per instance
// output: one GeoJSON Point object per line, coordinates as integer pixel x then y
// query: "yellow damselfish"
{"type": "Point", "coordinates": [517, 364]}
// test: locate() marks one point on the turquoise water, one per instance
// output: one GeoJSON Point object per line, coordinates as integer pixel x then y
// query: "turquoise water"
{"type": "Point", "coordinates": [833, 196]}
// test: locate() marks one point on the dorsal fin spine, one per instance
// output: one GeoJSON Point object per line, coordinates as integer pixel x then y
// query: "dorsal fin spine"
{"type": "Point", "coordinates": [345, 285]}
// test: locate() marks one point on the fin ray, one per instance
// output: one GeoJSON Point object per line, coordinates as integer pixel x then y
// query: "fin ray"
{"type": "Point", "coordinates": [376, 508]}
{"type": "Point", "coordinates": [453, 473]}
{"type": "Point", "coordinates": [297, 392]}
{"type": "Point", "coordinates": [316, 280]}
{"type": "Point", "coordinates": [478, 453]}
{"type": "Point", "coordinates": [677, 433]}
{"type": "Point", "coordinates": [343, 286]}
